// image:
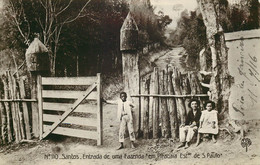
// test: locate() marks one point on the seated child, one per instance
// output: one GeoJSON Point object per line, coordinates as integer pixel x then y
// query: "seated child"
{"type": "Point", "coordinates": [208, 122]}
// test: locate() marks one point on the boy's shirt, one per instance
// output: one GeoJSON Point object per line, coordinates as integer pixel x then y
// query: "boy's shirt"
{"type": "Point", "coordinates": [191, 117]}
{"type": "Point", "coordinates": [123, 108]}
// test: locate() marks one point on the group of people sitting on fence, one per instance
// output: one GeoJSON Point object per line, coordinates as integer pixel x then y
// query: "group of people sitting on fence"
{"type": "Point", "coordinates": [197, 122]}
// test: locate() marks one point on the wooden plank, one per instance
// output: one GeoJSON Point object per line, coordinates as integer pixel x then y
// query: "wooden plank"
{"type": "Point", "coordinates": [39, 97]}
{"type": "Point", "coordinates": [145, 84]}
{"type": "Point", "coordinates": [85, 108]}
{"type": "Point", "coordinates": [247, 34]}
{"type": "Point", "coordinates": [151, 106]}
{"type": "Point", "coordinates": [99, 112]}
{"type": "Point", "coordinates": [13, 109]}
{"type": "Point", "coordinates": [35, 111]}
{"type": "Point", "coordinates": [195, 84]}
{"type": "Point", "coordinates": [67, 112]}
{"type": "Point", "coordinates": [68, 80]}
{"type": "Point", "coordinates": [180, 102]}
{"type": "Point", "coordinates": [172, 107]}
{"type": "Point", "coordinates": [7, 108]}
{"type": "Point", "coordinates": [64, 94]}
{"type": "Point", "coordinates": [156, 104]}
{"type": "Point", "coordinates": [25, 110]}
{"type": "Point", "coordinates": [18, 109]}
{"type": "Point", "coordinates": [71, 120]}
{"type": "Point", "coordinates": [72, 132]}
{"type": "Point", "coordinates": [186, 90]}
{"type": "Point", "coordinates": [165, 125]}
{"type": "Point", "coordinates": [18, 100]}
{"type": "Point", "coordinates": [3, 122]}
{"type": "Point", "coordinates": [170, 96]}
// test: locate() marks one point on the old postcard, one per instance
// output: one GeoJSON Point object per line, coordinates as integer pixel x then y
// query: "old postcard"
{"type": "Point", "coordinates": [129, 82]}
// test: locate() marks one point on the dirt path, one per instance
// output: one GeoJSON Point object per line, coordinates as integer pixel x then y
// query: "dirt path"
{"type": "Point", "coordinates": [147, 151]}
{"type": "Point", "coordinates": [172, 57]}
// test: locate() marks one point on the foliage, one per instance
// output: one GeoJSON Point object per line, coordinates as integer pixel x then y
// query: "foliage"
{"type": "Point", "coordinates": [191, 31]}
{"type": "Point", "coordinates": [44, 18]}
{"type": "Point", "coordinates": [151, 26]}
{"type": "Point", "coordinates": [81, 40]}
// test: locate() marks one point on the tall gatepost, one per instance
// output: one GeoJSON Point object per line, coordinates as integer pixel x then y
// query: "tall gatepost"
{"type": "Point", "coordinates": [37, 60]}
{"type": "Point", "coordinates": [131, 76]}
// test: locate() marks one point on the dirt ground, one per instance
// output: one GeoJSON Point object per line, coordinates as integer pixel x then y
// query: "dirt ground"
{"type": "Point", "coordinates": [65, 150]}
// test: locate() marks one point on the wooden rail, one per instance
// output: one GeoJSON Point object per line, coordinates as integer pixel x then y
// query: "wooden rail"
{"type": "Point", "coordinates": [169, 96]}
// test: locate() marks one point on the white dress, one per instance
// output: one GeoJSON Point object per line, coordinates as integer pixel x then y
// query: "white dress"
{"type": "Point", "coordinates": [207, 118]}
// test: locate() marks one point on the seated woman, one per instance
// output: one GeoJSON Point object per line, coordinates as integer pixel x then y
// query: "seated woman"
{"type": "Point", "coordinates": [208, 122]}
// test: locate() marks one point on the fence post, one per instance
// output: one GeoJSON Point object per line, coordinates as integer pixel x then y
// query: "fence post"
{"type": "Point", "coordinates": [37, 60]}
{"type": "Point", "coordinates": [151, 106]}
{"type": "Point", "coordinates": [177, 88]}
{"type": "Point", "coordinates": [15, 116]}
{"type": "Point", "coordinates": [145, 84]}
{"type": "Point", "coordinates": [172, 106]}
{"type": "Point", "coordinates": [130, 58]}
{"type": "Point", "coordinates": [7, 108]}
{"type": "Point", "coordinates": [3, 122]}
{"type": "Point", "coordinates": [165, 125]}
{"type": "Point", "coordinates": [156, 104]}
{"type": "Point", "coordinates": [186, 90]}
{"type": "Point", "coordinates": [39, 96]}
{"type": "Point", "coordinates": [25, 110]}
{"type": "Point", "coordinates": [99, 112]}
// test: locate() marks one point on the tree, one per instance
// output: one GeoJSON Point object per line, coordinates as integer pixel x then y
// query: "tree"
{"type": "Point", "coordinates": [253, 19]}
{"type": "Point", "coordinates": [244, 16]}
{"type": "Point", "coordinates": [47, 18]}
{"type": "Point", "coordinates": [151, 26]}
{"type": "Point", "coordinates": [220, 80]}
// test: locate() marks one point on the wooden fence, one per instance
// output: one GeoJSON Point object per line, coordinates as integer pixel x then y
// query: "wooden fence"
{"type": "Point", "coordinates": [164, 101]}
{"type": "Point", "coordinates": [69, 106]}
{"type": "Point", "coordinates": [14, 107]}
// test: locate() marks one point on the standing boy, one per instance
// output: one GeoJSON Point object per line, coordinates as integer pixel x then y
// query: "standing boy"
{"type": "Point", "coordinates": [125, 117]}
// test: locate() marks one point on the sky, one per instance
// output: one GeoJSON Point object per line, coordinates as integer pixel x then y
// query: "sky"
{"type": "Point", "coordinates": [173, 8]}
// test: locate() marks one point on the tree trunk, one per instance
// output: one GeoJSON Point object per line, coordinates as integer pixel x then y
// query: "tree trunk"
{"type": "Point", "coordinates": [220, 81]}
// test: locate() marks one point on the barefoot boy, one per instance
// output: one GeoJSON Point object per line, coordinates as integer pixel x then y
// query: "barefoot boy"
{"type": "Point", "coordinates": [124, 116]}
{"type": "Point", "coordinates": [191, 124]}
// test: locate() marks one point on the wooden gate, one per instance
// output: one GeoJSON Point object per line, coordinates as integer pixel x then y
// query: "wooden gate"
{"type": "Point", "coordinates": [66, 109]}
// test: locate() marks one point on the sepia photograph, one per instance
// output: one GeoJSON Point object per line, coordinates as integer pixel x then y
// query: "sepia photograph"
{"type": "Point", "coordinates": [141, 82]}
